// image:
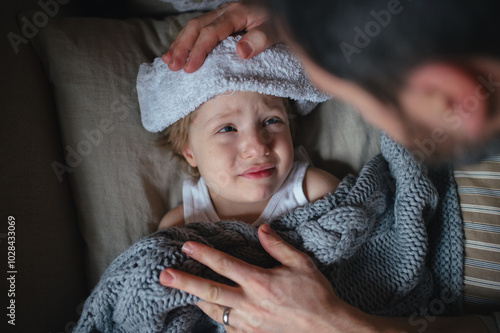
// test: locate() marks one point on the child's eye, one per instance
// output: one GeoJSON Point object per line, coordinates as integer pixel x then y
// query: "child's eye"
{"type": "Point", "coordinates": [271, 121]}
{"type": "Point", "coordinates": [226, 129]}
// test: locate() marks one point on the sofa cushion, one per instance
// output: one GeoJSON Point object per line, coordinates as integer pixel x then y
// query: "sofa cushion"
{"type": "Point", "coordinates": [479, 190]}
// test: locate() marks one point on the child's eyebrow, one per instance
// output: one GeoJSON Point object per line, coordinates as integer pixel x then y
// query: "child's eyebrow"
{"type": "Point", "coordinates": [277, 109]}
{"type": "Point", "coordinates": [217, 118]}
{"type": "Point", "coordinates": [272, 106]}
{"type": "Point", "coordinates": [275, 105]}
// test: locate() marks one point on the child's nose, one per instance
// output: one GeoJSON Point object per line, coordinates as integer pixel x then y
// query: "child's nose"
{"type": "Point", "coordinates": [256, 144]}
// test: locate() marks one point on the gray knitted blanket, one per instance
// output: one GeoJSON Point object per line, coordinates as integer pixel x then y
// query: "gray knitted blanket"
{"type": "Point", "coordinates": [389, 241]}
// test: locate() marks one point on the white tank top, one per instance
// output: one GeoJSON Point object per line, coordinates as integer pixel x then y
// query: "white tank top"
{"type": "Point", "coordinates": [198, 206]}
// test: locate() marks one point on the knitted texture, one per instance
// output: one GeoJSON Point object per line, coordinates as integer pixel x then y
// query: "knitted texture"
{"type": "Point", "coordinates": [389, 241]}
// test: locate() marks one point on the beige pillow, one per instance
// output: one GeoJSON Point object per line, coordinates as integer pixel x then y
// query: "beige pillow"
{"type": "Point", "coordinates": [122, 183]}
{"type": "Point", "coordinates": [337, 138]}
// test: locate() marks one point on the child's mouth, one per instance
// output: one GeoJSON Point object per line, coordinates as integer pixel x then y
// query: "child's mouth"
{"type": "Point", "coordinates": [259, 172]}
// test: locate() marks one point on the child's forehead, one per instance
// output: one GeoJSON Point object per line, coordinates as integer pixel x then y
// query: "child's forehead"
{"type": "Point", "coordinates": [237, 104]}
{"type": "Point", "coordinates": [244, 99]}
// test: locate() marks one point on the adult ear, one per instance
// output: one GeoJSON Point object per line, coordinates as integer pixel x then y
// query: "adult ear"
{"type": "Point", "coordinates": [441, 93]}
{"type": "Point", "coordinates": [188, 155]}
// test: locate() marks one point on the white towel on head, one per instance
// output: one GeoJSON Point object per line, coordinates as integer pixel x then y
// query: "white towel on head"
{"type": "Point", "coordinates": [166, 96]}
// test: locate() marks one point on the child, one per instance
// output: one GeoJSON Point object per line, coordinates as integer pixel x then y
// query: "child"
{"type": "Point", "coordinates": [230, 121]}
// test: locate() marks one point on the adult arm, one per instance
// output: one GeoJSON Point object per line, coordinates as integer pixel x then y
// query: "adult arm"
{"type": "Point", "coordinates": [294, 297]}
{"type": "Point", "coordinates": [200, 35]}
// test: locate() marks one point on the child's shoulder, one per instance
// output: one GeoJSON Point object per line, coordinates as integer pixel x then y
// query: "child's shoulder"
{"type": "Point", "coordinates": [174, 218]}
{"type": "Point", "coordinates": [318, 183]}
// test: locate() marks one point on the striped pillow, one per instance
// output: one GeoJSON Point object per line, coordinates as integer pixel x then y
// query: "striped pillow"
{"type": "Point", "coordinates": [479, 191]}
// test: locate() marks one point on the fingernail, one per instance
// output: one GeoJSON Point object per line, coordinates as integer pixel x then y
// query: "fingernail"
{"type": "Point", "coordinates": [166, 277]}
{"type": "Point", "coordinates": [266, 229]}
{"type": "Point", "coordinates": [187, 248]}
{"type": "Point", "coordinates": [245, 49]}
{"type": "Point", "coordinates": [187, 67]}
{"type": "Point", "coordinates": [171, 63]}
{"type": "Point", "coordinates": [167, 57]}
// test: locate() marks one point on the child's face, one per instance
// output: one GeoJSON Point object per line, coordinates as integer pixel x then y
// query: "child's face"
{"type": "Point", "coordinates": [242, 146]}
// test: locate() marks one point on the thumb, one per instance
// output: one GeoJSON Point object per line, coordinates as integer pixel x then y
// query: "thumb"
{"type": "Point", "coordinates": [256, 40]}
{"type": "Point", "coordinates": [280, 250]}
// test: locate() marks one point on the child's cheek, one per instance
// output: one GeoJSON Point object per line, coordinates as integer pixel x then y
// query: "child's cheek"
{"type": "Point", "coordinates": [217, 176]}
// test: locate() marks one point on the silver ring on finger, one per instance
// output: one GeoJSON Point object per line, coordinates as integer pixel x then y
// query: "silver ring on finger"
{"type": "Point", "coordinates": [225, 316]}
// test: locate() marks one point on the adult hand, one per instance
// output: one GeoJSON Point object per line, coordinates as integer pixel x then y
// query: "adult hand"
{"type": "Point", "coordinates": [294, 297]}
{"type": "Point", "coordinates": [200, 35]}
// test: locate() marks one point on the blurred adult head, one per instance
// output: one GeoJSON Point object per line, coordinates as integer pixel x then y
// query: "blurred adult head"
{"type": "Point", "coordinates": [427, 72]}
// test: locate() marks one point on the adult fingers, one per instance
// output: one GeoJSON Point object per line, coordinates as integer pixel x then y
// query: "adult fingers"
{"type": "Point", "coordinates": [236, 18]}
{"type": "Point", "coordinates": [208, 37]}
{"type": "Point", "coordinates": [257, 40]}
{"type": "Point", "coordinates": [212, 310]}
{"type": "Point", "coordinates": [201, 34]}
{"type": "Point", "coordinates": [280, 250]}
{"type": "Point", "coordinates": [207, 290]}
{"type": "Point", "coordinates": [238, 320]}
{"type": "Point", "coordinates": [216, 312]}
{"type": "Point", "coordinates": [179, 49]}
{"type": "Point", "coordinates": [226, 265]}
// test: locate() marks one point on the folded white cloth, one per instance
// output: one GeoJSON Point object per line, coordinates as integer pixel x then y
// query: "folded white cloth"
{"type": "Point", "coordinates": [166, 96]}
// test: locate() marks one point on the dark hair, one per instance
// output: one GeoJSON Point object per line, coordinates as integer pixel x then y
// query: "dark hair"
{"type": "Point", "coordinates": [374, 43]}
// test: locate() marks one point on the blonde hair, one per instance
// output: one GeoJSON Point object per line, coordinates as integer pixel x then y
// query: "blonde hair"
{"type": "Point", "coordinates": [176, 137]}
